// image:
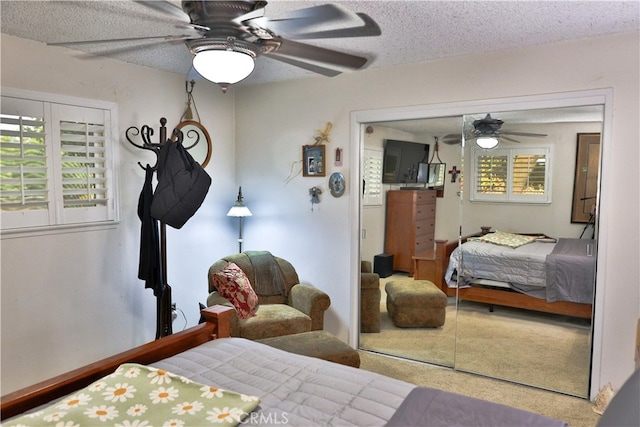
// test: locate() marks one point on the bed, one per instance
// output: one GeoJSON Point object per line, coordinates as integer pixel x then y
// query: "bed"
{"type": "Point", "coordinates": [289, 389]}
{"type": "Point", "coordinates": [543, 274]}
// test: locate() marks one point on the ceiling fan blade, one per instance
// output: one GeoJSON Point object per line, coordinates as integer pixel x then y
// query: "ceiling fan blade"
{"type": "Point", "coordinates": [302, 18]}
{"type": "Point", "coordinates": [307, 66]}
{"type": "Point", "coordinates": [501, 136]}
{"type": "Point", "coordinates": [165, 7]}
{"type": "Point", "coordinates": [131, 39]}
{"type": "Point", "coordinates": [536, 135]}
{"type": "Point", "coordinates": [254, 15]}
{"type": "Point", "coordinates": [322, 57]}
{"type": "Point", "coordinates": [369, 29]}
{"type": "Point", "coordinates": [124, 49]}
{"type": "Point", "coordinates": [452, 139]}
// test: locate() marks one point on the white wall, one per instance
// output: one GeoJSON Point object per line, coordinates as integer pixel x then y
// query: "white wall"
{"type": "Point", "coordinates": [72, 298]}
{"type": "Point", "coordinates": [285, 116]}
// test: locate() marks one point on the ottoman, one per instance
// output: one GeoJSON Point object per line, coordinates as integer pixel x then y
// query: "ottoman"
{"type": "Point", "coordinates": [415, 303]}
{"type": "Point", "coordinates": [320, 344]}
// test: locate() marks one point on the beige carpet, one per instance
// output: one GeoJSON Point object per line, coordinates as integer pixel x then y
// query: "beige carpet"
{"type": "Point", "coordinates": [536, 349]}
{"type": "Point", "coordinates": [551, 352]}
{"type": "Point", "coordinates": [575, 411]}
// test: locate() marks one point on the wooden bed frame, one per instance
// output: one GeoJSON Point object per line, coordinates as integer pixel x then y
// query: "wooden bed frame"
{"type": "Point", "coordinates": [217, 325]}
{"type": "Point", "coordinates": [493, 296]}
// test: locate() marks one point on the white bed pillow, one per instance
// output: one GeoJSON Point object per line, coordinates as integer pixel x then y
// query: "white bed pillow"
{"type": "Point", "coordinates": [510, 240]}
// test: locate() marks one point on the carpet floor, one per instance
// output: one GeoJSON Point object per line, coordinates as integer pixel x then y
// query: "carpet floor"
{"type": "Point", "coordinates": [547, 351]}
{"type": "Point", "coordinates": [575, 411]}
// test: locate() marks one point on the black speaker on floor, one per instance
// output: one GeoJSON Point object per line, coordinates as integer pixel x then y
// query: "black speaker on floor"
{"type": "Point", "coordinates": [383, 265]}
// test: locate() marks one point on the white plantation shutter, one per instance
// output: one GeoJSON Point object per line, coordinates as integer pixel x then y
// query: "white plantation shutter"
{"type": "Point", "coordinates": [55, 164]}
{"type": "Point", "coordinates": [82, 166]}
{"type": "Point", "coordinates": [518, 175]}
{"type": "Point", "coordinates": [372, 176]}
{"type": "Point", "coordinates": [492, 174]}
{"type": "Point", "coordinates": [25, 169]}
{"type": "Point", "coordinates": [529, 175]}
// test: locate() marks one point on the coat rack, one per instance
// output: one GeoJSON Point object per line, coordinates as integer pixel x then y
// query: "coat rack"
{"type": "Point", "coordinates": [163, 303]}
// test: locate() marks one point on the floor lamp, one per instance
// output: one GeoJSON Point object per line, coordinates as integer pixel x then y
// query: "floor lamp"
{"type": "Point", "coordinates": [239, 210]}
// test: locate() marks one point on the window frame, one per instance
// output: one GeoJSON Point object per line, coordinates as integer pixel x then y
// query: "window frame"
{"type": "Point", "coordinates": [509, 197]}
{"type": "Point", "coordinates": [19, 224]}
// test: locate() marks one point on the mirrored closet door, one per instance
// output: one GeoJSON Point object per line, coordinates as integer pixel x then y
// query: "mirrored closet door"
{"type": "Point", "coordinates": [527, 286]}
{"type": "Point", "coordinates": [535, 191]}
{"type": "Point", "coordinates": [409, 201]}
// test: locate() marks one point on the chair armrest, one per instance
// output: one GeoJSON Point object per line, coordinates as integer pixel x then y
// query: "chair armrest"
{"type": "Point", "coordinates": [365, 267]}
{"type": "Point", "coordinates": [311, 301]}
{"type": "Point", "coordinates": [215, 298]}
{"type": "Point", "coordinates": [369, 281]}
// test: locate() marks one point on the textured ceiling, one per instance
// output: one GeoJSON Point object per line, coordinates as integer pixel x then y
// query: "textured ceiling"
{"type": "Point", "coordinates": [412, 31]}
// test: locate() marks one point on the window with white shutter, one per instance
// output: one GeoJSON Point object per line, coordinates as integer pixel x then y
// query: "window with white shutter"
{"type": "Point", "coordinates": [56, 164]}
{"type": "Point", "coordinates": [372, 177]}
{"type": "Point", "coordinates": [515, 175]}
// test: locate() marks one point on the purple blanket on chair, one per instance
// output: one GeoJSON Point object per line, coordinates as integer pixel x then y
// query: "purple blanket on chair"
{"type": "Point", "coordinates": [426, 407]}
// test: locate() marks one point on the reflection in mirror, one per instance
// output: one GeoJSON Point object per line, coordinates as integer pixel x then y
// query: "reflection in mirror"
{"type": "Point", "coordinates": [436, 175]}
{"type": "Point", "coordinates": [417, 333]}
{"type": "Point", "coordinates": [196, 139]}
{"type": "Point", "coordinates": [525, 316]}
{"type": "Point", "coordinates": [538, 182]}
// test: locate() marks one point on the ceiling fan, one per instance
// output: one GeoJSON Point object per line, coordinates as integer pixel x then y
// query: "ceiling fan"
{"type": "Point", "coordinates": [486, 132]}
{"type": "Point", "coordinates": [226, 37]}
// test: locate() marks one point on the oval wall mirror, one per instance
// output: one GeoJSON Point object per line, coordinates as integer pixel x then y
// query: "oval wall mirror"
{"type": "Point", "coordinates": [196, 139]}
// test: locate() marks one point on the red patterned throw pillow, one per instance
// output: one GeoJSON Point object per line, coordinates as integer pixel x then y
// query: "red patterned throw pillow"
{"type": "Point", "coordinates": [234, 285]}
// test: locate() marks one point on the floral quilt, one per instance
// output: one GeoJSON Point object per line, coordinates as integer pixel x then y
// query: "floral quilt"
{"type": "Point", "coordinates": [142, 396]}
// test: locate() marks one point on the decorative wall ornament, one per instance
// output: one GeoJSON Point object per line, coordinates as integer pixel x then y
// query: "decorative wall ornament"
{"type": "Point", "coordinates": [304, 166]}
{"type": "Point", "coordinates": [454, 173]}
{"type": "Point", "coordinates": [323, 136]}
{"type": "Point", "coordinates": [337, 184]}
{"type": "Point", "coordinates": [195, 137]}
{"type": "Point", "coordinates": [338, 158]}
{"type": "Point", "coordinates": [313, 160]}
{"type": "Point", "coordinates": [315, 193]}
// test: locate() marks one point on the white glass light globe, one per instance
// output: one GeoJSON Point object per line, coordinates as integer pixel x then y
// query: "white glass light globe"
{"type": "Point", "coordinates": [223, 66]}
{"type": "Point", "coordinates": [487, 142]}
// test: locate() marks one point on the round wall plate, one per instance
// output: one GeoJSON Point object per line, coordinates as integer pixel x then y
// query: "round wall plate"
{"type": "Point", "coordinates": [337, 184]}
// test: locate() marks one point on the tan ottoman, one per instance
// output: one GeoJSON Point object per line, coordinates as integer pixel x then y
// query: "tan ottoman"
{"type": "Point", "coordinates": [415, 303]}
{"type": "Point", "coordinates": [320, 344]}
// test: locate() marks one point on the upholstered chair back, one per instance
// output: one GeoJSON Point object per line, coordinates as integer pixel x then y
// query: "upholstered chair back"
{"type": "Point", "coordinates": [242, 260]}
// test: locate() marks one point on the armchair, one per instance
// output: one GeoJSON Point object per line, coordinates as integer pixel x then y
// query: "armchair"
{"type": "Point", "coordinates": [369, 299]}
{"type": "Point", "coordinates": [300, 309]}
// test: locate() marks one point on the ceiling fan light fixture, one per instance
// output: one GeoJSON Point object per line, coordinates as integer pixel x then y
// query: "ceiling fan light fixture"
{"type": "Point", "coordinates": [223, 67]}
{"type": "Point", "coordinates": [487, 142]}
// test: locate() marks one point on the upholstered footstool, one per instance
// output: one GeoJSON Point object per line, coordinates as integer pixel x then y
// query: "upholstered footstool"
{"type": "Point", "coordinates": [320, 344]}
{"type": "Point", "coordinates": [415, 304]}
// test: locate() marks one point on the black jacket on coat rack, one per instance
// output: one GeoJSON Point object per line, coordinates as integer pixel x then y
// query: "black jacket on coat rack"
{"type": "Point", "coordinates": [182, 185]}
{"type": "Point", "coordinates": [150, 266]}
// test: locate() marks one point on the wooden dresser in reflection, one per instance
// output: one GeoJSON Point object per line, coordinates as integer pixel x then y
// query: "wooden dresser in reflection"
{"type": "Point", "coordinates": [410, 226]}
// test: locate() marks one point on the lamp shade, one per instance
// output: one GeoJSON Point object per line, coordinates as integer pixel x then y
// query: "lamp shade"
{"type": "Point", "coordinates": [487, 142]}
{"type": "Point", "coordinates": [239, 211]}
{"type": "Point", "coordinates": [223, 66]}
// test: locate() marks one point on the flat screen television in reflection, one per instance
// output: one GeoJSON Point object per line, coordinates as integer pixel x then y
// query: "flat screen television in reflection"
{"type": "Point", "coordinates": [402, 160]}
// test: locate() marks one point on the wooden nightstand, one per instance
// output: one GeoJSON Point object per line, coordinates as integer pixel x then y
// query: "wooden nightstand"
{"type": "Point", "coordinates": [425, 266]}
{"type": "Point", "coordinates": [430, 265]}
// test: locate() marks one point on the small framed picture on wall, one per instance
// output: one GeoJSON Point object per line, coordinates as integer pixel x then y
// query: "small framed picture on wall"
{"type": "Point", "coordinates": [313, 160]}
